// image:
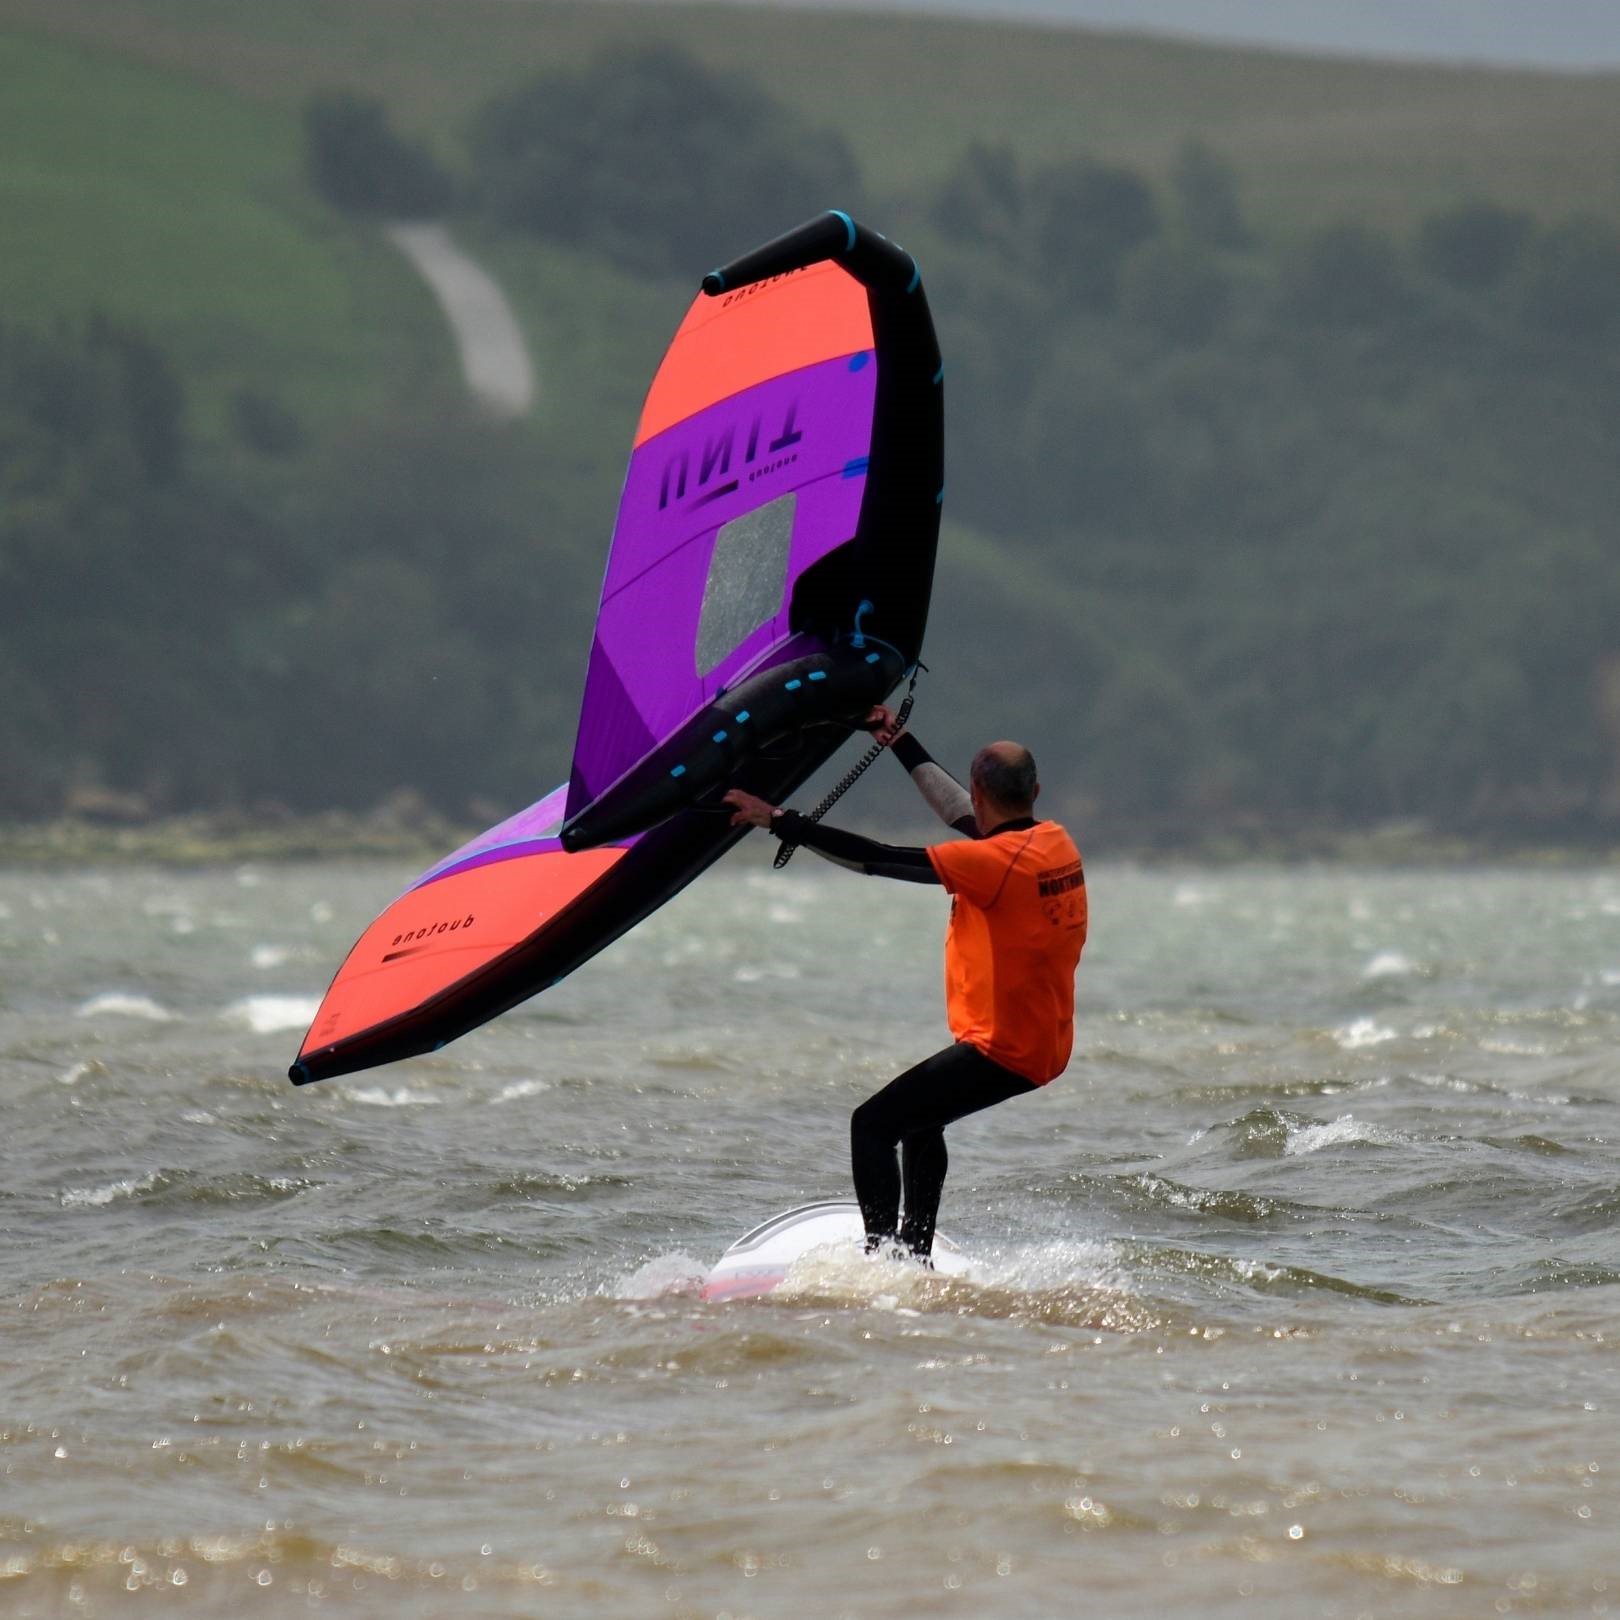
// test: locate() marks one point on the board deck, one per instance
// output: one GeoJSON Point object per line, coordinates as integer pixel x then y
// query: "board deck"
{"type": "Point", "coordinates": [759, 1261]}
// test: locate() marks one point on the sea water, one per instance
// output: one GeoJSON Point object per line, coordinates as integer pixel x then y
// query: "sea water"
{"type": "Point", "coordinates": [1298, 1294]}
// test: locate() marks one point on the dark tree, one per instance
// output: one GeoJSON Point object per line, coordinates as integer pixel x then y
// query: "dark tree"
{"type": "Point", "coordinates": [1344, 276]}
{"type": "Point", "coordinates": [1207, 204]}
{"type": "Point", "coordinates": [153, 398]}
{"type": "Point", "coordinates": [359, 164]}
{"type": "Point", "coordinates": [1475, 244]}
{"type": "Point", "coordinates": [654, 159]}
{"type": "Point", "coordinates": [982, 198]}
{"type": "Point", "coordinates": [1572, 280]}
{"type": "Point", "coordinates": [1178, 292]}
{"type": "Point", "coordinates": [1085, 218]}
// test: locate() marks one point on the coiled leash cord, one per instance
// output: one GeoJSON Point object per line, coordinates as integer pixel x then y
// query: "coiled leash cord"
{"type": "Point", "coordinates": [855, 772]}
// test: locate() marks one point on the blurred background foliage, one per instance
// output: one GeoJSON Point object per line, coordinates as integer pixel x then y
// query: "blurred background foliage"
{"type": "Point", "coordinates": [1255, 515]}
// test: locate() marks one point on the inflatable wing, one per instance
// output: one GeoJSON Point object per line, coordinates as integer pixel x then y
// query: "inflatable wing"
{"type": "Point", "coordinates": [768, 582]}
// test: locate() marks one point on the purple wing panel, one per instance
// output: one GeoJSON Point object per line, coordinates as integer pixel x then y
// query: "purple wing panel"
{"type": "Point", "coordinates": [698, 587]}
{"type": "Point", "coordinates": [529, 832]}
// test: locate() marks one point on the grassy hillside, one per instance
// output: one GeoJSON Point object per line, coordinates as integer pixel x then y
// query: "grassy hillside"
{"type": "Point", "coordinates": [163, 201]}
{"type": "Point", "coordinates": [1315, 139]}
{"type": "Point", "coordinates": [1253, 518]}
{"type": "Point", "coordinates": [152, 162]}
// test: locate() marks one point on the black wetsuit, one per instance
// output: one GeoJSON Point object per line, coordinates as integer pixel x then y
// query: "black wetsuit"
{"type": "Point", "coordinates": [912, 1111]}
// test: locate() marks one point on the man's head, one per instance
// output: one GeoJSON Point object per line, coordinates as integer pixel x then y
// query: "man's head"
{"type": "Point", "coordinates": [1003, 785]}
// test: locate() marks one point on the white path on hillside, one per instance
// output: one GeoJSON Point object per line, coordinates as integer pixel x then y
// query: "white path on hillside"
{"type": "Point", "coordinates": [494, 357]}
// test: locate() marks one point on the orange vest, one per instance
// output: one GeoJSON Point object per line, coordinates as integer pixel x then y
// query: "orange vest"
{"type": "Point", "coordinates": [1018, 925]}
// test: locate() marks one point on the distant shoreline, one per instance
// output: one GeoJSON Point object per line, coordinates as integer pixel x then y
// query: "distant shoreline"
{"type": "Point", "coordinates": [408, 834]}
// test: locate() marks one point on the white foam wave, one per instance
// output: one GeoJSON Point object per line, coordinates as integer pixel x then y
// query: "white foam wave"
{"type": "Point", "coordinates": [1445, 1082]}
{"type": "Point", "coordinates": [890, 1282]}
{"type": "Point", "coordinates": [846, 1271]}
{"type": "Point", "coordinates": [399, 1097]}
{"type": "Point", "coordinates": [269, 956]}
{"type": "Point", "coordinates": [1339, 1132]}
{"type": "Point", "coordinates": [1389, 965]}
{"type": "Point", "coordinates": [1051, 1267]}
{"type": "Point", "coordinates": [1611, 977]}
{"type": "Point", "coordinates": [91, 1197]}
{"type": "Point", "coordinates": [676, 1273]}
{"type": "Point", "coordinates": [120, 1004]}
{"type": "Point", "coordinates": [521, 1088]}
{"type": "Point", "coordinates": [1363, 1032]}
{"type": "Point", "coordinates": [272, 1015]}
{"type": "Point", "coordinates": [74, 1073]}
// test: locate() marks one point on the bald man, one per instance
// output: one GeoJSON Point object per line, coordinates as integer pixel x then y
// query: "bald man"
{"type": "Point", "coordinates": [1018, 925]}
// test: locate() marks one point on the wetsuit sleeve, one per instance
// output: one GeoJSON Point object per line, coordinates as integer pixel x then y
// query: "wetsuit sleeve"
{"type": "Point", "coordinates": [945, 796]}
{"type": "Point", "coordinates": [857, 853]}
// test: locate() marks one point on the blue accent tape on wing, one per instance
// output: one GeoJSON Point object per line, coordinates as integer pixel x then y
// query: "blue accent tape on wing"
{"type": "Point", "coordinates": [849, 225]}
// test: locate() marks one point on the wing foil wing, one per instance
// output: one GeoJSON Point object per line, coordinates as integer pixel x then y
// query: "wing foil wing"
{"type": "Point", "coordinates": [784, 481]}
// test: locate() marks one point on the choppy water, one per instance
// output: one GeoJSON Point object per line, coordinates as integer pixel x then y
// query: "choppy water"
{"type": "Point", "coordinates": [1299, 1294]}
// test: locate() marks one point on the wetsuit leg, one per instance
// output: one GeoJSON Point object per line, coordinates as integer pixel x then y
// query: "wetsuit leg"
{"type": "Point", "coordinates": [913, 1111]}
{"type": "Point", "coordinates": [923, 1163]}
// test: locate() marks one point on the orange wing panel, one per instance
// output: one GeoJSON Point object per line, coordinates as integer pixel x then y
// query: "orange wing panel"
{"type": "Point", "coordinates": [732, 342]}
{"type": "Point", "coordinates": [433, 936]}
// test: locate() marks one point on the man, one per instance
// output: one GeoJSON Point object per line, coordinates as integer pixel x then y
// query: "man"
{"type": "Point", "coordinates": [1018, 924]}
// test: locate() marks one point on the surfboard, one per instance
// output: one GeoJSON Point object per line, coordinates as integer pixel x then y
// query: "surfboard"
{"type": "Point", "coordinates": [759, 1261]}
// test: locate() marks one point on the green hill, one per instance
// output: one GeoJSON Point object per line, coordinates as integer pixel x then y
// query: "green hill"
{"type": "Point", "coordinates": [1315, 138]}
{"type": "Point", "coordinates": [157, 198]}
{"type": "Point", "coordinates": [152, 167]}
{"type": "Point", "coordinates": [1281, 475]}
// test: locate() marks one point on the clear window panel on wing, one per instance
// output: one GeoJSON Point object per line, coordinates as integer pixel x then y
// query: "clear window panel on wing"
{"type": "Point", "coordinates": [747, 576]}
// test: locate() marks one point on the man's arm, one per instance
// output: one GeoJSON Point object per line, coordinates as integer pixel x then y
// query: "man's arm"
{"type": "Point", "coordinates": [945, 796]}
{"type": "Point", "coordinates": [909, 864]}
{"type": "Point", "coordinates": [831, 843]}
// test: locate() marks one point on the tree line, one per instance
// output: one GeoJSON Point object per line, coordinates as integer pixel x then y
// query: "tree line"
{"type": "Point", "coordinates": [1301, 525]}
